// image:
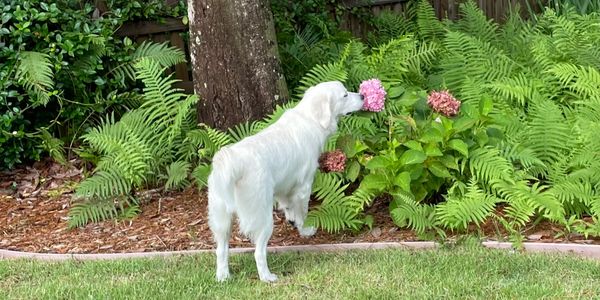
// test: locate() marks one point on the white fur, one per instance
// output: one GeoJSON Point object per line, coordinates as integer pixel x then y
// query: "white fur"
{"type": "Point", "coordinates": [277, 164]}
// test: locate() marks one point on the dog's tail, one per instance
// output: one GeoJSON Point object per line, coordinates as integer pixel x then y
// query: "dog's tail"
{"type": "Point", "coordinates": [221, 181]}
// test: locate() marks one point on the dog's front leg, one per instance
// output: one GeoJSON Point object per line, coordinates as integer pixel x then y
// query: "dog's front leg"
{"type": "Point", "coordinates": [300, 201]}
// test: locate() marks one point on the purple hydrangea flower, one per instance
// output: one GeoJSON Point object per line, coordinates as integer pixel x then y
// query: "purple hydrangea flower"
{"type": "Point", "coordinates": [443, 102]}
{"type": "Point", "coordinates": [374, 95]}
{"type": "Point", "coordinates": [332, 161]}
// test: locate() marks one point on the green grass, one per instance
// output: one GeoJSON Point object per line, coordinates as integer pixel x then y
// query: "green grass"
{"type": "Point", "coordinates": [391, 274]}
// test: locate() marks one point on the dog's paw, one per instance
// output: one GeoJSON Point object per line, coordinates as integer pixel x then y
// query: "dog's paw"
{"type": "Point", "coordinates": [307, 231]}
{"type": "Point", "coordinates": [268, 277]}
{"type": "Point", "coordinates": [222, 275]}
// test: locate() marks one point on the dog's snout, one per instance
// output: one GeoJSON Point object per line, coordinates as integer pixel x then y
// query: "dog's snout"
{"type": "Point", "coordinates": [362, 97]}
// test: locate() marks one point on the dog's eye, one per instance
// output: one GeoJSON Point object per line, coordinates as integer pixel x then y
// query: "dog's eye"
{"type": "Point", "coordinates": [345, 94]}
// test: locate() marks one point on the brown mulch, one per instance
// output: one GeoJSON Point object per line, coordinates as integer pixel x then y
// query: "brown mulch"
{"type": "Point", "coordinates": [34, 204]}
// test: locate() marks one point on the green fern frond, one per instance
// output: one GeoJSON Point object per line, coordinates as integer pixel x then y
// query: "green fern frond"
{"type": "Point", "coordinates": [200, 174]}
{"type": "Point", "coordinates": [457, 212]}
{"type": "Point", "coordinates": [34, 71]}
{"type": "Point", "coordinates": [54, 146]}
{"type": "Point", "coordinates": [583, 81]}
{"type": "Point", "coordinates": [359, 199]}
{"type": "Point", "coordinates": [84, 212]}
{"type": "Point", "coordinates": [469, 56]}
{"type": "Point", "coordinates": [177, 174]}
{"type": "Point", "coordinates": [420, 217]}
{"type": "Point", "coordinates": [486, 164]}
{"type": "Point", "coordinates": [548, 134]}
{"type": "Point", "coordinates": [428, 26]}
{"type": "Point", "coordinates": [104, 185]}
{"type": "Point", "coordinates": [520, 89]}
{"type": "Point", "coordinates": [162, 54]}
{"type": "Point", "coordinates": [329, 188]}
{"type": "Point", "coordinates": [333, 218]}
{"type": "Point", "coordinates": [243, 130]}
{"type": "Point", "coordinates": [475, 23]}
{"type": "Point", "coordinates": [525, 199]}
{"type": "Point", "coordinates": [321, 73]}
{"type": "Point", "coordinates": [574, 194]}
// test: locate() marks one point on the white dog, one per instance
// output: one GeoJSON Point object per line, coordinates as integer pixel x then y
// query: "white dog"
{"type": "Point", "coordinates": [277, 164]}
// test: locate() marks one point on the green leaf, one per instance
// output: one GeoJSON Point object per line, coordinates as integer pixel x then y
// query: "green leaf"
{"type": "Point", "coordinates": [347, 144]}
{"type": "Point", "coordinates": [378, 162]}
{"type": "Point", "coordinates": [459, 146]}
{"type": "Point", "coordinates": [403, 181]}
{"type": "Point", "coordinates": [447, 123]}
{"type": "Point", "coordinates": [374, 182]}
{"type": "Point", "coordinates": [412, 144]}
{"type": "Point", "coordinates": [432, 135]}
{"type": "Point", "coordinates": [432, 150]}
{"type": "Point", "coordinates": [437, 169]}
{"type": "Point", "coordinates": [485, 105]}
{"type": "Point", "coordinates": [449, 161]}
{"type": "Point", "coordinates": [408, 99]}
{"type": "Point", "coordinates": [395, 92]}
{"type": "Point", "coordinates": [463, 123]}
{"type": "Point", "coordinates": [482, 137]}
{"type": "Point", "coordinates": [352, 171]}
{"type": "Point", "coordinates": [412, 157]}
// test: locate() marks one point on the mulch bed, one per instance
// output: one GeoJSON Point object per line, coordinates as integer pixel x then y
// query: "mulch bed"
{"type": "Point", "coordinates": [34, 204]}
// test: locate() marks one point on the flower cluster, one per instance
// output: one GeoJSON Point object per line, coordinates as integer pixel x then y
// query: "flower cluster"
{"type": "Point", "coordinates": [332, 161]}
{"type": "Point", "coordinates": [443, 102]}
{"type": "Point", "coordinates": [374, 95]}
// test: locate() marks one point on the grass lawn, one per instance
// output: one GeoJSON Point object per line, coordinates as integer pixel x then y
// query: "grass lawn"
{"type": "Point", "coordinates": [385, 274]}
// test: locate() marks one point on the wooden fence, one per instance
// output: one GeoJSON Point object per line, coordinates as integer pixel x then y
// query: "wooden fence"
{"type": "Point", "coordinates": [174, 31]}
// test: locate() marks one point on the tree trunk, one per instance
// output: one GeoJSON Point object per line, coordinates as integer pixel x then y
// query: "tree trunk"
{"type": "Point", "coordinates": [235, 63]}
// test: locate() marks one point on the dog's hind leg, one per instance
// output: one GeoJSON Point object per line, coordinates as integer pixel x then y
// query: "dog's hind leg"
{"type": "Point", "coordinates": [260, 253]}
{"type": "Point", "coordinates": [220, 224]}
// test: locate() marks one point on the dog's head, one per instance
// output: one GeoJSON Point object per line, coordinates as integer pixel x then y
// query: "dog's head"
{"type": "Point", "coordinates": [327, 101]}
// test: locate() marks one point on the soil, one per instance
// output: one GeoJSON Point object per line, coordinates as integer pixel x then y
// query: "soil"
{"type": "Point", "coordinates": [34, 205]}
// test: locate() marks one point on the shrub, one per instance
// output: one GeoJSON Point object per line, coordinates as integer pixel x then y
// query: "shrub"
{"type": "Point", "coordinates": [58, 71]}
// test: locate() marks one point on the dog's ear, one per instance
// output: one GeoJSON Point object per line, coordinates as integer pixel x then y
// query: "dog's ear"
{"type": "Point", "coordinates": [323, 109]}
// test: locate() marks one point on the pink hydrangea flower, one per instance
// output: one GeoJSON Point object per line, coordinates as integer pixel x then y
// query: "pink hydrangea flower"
{"type": "Point", "coordinates": [332, 161]}
{"type": "Point", "coordinates": [374, 95]}
{"type": "Point", "coordinates": [443, 102]}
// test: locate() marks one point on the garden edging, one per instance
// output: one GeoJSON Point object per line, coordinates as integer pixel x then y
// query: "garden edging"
{"type": "Point", "coordinates": [591, 251]}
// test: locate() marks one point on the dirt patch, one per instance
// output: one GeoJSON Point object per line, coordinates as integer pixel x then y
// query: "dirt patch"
{"type": "Point", "coordinates": [34, 204]}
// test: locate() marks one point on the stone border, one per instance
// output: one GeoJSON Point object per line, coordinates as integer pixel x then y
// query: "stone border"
{"type": "Point", "coordinates": [592, 251]}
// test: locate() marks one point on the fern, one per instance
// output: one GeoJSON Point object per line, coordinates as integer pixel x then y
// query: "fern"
{"type": "Point", "coordinates": [420, 217]}
{"type": "Point", "coordinates": [548, 134]}
{"type": "Point", "coordinates": [243, 130]}
{"type": "Point", "coordinates": [487, 165]}
{"type": "Point", "coordinates": [321, 73]}
{"type": "Point", "coordinates": [54, 146]}
{"type": "Point", "coordinates": [200, 174]}
{"type": "Point", "coordinates": [474, 23]}
{"type": "Point", "coordinates": [89, 211]}
{"type": "Point", "coordinates": [428, 26]}
{"type": "Point", "coordinates": [333, 218]}
{"type": "Point", "coordinates": [583, 81]}
{"type": "Point", "coordinates": [162, 54]}
{"type": "Point", "coordinates": [177, 174]}
{"type": "Point", "coordinates": [137, 149]}
{"type": "Point", "coordinates": [329, 188]}
{"type": "Point", "coordinates": [459, 211]}
{"type": "Point", "coordinates": [34, 71]}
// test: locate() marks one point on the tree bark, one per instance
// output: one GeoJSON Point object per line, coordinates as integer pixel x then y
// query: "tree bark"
{"type": "Point", "coordinates": [235, 63]}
